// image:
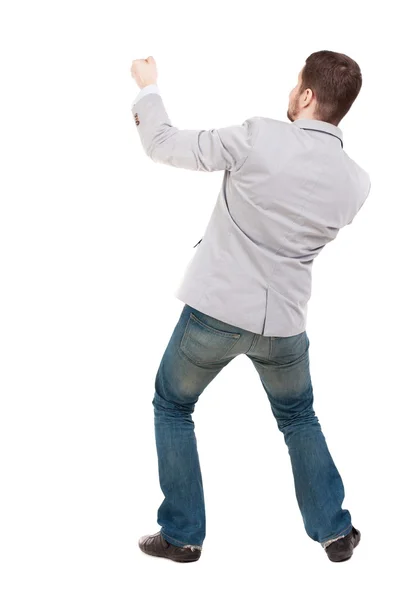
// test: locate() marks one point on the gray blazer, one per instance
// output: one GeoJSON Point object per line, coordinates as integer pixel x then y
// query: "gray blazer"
{"type": "Point", "coordinates": [287, 189]}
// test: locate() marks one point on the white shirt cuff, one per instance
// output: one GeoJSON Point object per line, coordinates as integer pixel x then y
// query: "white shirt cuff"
{"type": "Point", "coordinates": [152, 88]}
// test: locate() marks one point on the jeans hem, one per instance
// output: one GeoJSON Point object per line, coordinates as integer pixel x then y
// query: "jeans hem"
{"type": "Point", "coordinates": [179, 543]}
{"type": "Point", "coordinates": [344, 533]}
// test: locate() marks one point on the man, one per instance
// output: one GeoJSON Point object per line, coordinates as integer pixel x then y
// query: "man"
{"type": "Point", "coordinates": [287, 190]}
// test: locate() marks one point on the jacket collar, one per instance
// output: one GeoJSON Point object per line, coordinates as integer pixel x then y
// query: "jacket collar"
{"type": "Point", "coordinates": [316, 125]}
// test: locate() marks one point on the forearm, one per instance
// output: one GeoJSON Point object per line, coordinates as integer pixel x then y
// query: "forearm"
{"type": "Point", "coordinates": [199, 150]}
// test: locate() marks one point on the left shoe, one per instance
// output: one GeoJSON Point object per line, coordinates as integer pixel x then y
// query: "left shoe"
{"type": "Point", "coordinates": [342, 549]}
{"type": "Point", "coordinates": [156, 545]}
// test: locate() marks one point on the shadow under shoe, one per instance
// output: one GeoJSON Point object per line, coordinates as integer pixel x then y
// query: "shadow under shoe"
{"type": "Point", "coordinates": [156, 545]}
{"type": "Point", "coordinates": [342, 549]}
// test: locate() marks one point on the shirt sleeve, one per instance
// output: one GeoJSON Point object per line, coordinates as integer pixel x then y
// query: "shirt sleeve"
{"type": "Point", "coordinates": [152, 88]}
{"type": "Point", "coordinates": [195, 149]}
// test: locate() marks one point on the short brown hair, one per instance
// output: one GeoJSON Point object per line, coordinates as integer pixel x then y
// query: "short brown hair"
{"type": "Point", "coordinates": [335, 79]}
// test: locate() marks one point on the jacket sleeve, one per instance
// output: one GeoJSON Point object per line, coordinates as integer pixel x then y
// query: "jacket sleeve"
{"type": "Point", "coordinates": [198, 150]}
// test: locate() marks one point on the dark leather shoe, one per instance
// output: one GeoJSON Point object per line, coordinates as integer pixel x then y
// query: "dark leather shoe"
{"type": "Point", "coordinates": [156, 545]}
{"type": "Point", "coordinates": [342, 549]}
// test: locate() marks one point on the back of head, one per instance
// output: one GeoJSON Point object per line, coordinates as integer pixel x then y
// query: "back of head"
{"type": "Point", "coordinates": [336, 81]}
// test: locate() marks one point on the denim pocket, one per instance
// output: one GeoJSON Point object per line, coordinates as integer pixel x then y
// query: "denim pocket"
{"type": "Point", "coordinates": [205, 345]}
{"type": "Point", "coordinates": [289, 350]}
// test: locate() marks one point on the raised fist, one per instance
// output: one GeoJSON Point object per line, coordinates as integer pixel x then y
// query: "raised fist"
{"type": "Point", "coordinates": [144, 71]}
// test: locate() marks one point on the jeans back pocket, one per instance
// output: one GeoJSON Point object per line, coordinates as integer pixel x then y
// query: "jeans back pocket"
{"type": "Point", "coordinates": [206, 345]}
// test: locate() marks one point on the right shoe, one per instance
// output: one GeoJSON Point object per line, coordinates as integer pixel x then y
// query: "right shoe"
{"type": "Point", "coordinates": [342, 549]}
{"type": "Point", "coordinates": [156, 545]}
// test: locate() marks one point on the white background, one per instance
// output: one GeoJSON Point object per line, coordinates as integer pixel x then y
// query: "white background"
{"type": "Point", "coordinates": [94, 239]}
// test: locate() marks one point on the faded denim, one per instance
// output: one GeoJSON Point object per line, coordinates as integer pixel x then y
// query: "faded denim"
{"type": "Point", "coordinates": [199, 348]}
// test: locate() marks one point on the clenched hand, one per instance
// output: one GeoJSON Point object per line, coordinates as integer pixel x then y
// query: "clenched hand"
{"type": "Point", "coordinates": [144, 71]}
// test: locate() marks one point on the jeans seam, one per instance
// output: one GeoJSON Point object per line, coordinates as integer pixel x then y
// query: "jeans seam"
{"type": "Point", "coordinates": [270, 347]}
{"type": "Point", "coordinates": [253, 343]}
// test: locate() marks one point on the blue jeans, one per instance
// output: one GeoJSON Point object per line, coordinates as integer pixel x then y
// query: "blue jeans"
{"type": "Point", "coordinates": [199, 348]}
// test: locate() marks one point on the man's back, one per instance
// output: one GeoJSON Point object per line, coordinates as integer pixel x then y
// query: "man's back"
{"type": "Point", "coordinates": [289, 198]}
{"type": "Point", "coordinates": [287, 190]}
